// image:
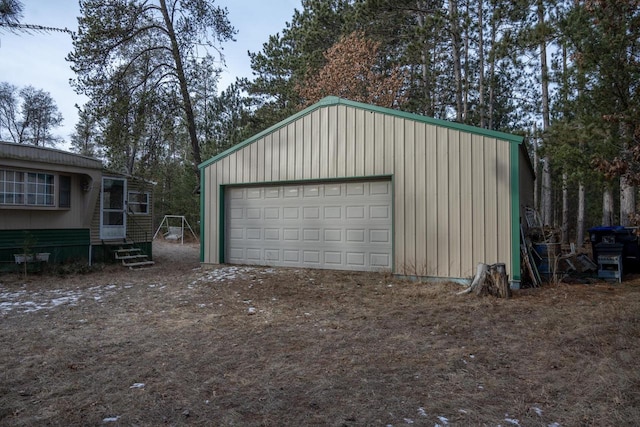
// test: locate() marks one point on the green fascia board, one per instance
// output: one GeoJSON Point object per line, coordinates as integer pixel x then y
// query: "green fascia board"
{"type": "Point", "coordinates": [334, 100]}
{"type": "Point", "coordinates": [202, 236]}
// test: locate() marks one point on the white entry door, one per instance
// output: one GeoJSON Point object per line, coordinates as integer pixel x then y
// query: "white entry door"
{"type": "Point", "coordinates": [113, 215]}
{"type": "Point", "coordinates": [336, 225]}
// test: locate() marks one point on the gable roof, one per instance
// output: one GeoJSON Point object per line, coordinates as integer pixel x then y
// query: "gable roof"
{"type": "Point", "coordinates": [334, 100]}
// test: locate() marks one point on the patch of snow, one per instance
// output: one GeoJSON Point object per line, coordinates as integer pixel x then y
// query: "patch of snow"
{"type": "Point", "coordinates": [30, 302]}
{"type": "Point", "coordinates": [422, 412]}
{"type": "Point", "coordinates": [111, 419]}
{"type": "Point", "coordinates": [554, 425]}
{"type": "Point", "coordinates": [443, 420]}
{"type": "Point", "coordinates": [251, 310]}
{"type": "Point", "coordinates": [408, 421]}
{"type": "Point", "coordinates": [137, 385]}
{"type": "Point", "coordinates": [512, 421]}
{"type": "Point", "coordinates": [462, 411]}
{"type": "Point", "coordinates": [537, 410]}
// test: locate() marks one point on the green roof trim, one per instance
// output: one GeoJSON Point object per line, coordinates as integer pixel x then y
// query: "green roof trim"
{"type": "Point", "coordinates": [334, 100]}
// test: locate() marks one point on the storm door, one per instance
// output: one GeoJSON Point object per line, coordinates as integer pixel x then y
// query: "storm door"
{"type": "Point", "coordinates": [113, 216]}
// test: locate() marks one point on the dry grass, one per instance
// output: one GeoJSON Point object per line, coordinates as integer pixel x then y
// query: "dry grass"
{"type": "Point", "coordinates": [322, 348]}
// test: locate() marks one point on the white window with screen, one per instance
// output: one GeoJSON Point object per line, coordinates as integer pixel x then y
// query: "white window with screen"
{"type": "Point", "coordinates": [138, 203]}
{"type": "Point", "coordinates": [20, 188]}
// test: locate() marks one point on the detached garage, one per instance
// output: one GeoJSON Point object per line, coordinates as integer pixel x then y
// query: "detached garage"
{"type": "Point", "coordinates": [351, 186]}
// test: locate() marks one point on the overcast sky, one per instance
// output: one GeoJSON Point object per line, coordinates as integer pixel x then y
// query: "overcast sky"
{"type": "Point", "coordinates": [38, 59]}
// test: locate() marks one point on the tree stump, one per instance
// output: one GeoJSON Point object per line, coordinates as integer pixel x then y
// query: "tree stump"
{"type": "Point", "coordinates": [490, 280]}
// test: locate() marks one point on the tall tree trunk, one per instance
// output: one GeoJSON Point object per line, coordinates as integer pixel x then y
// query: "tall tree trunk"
{"type": "Point", "coordinates": [466, 79]}
{"type": "Point", "coordinates": [565, 209]}
{"type": "Point", "coordinates": [492, 68]}
{"type": "Point", "coordinates": [426, 66]}
{"type": "Point", "coordinates": [627, 201]}
{"type": "Point", "coordinates": [627, 190]}
{"type": "Point", "coordinates": [481, 64]}
{"type": "Point", "coordinates": [546, 168]}
{"type": "Point", "coordinates": [184, 89]}
{"type": "Point", "coordinates": [536, 162]}
{"type": "Point", "coordinates": [581, 210]}
{"type": "Point", "coordinates": [607, 206]}
{"type": "Point", "coordinates": [455, 44]}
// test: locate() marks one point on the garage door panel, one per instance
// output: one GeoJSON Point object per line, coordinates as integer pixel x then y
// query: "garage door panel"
{"type": "Point", "coordinates": [253, 233]}
{"type": "Point", "coordinates": [271, 213]}
{"type": "Point", "coordinates": [355, 235]}
{"type": "Point", "coordinates": [291, 234]}
{"type": "Point", "coordinates": [333, 225]}
{"type": "Point", "coordinates": [381, 260]}
{"type": "Point", "coordinates": [291, 255]}
{"type": "Point", "coordinates": [354, 189]}
{"type": "Point", "coordinates": [271, 234]}
{"type": "Point", "coordinates": [311, 235]}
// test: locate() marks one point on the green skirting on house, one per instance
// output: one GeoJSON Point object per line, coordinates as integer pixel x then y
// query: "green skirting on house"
{"type": "Point", "coordinates": [62, 245]}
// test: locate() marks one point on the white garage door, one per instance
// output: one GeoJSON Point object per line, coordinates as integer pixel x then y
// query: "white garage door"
{"type": "Point", "coordinates": [342, 226]}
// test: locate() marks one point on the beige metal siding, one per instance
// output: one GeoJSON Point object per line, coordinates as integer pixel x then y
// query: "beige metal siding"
{"type": "Point", "coordinates": [84, 188]}
{"type": "Point", "coordinates": [451, 189]}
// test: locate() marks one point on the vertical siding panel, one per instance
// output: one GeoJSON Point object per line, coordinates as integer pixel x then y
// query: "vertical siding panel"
{"type": "Point", "coordinates": [350, 166]}
{"type": "Point", "coordinates": [420, 161]}
{"type": "Point", "coordinates": [290, 133]}
{"type": "Point", "coordinates": [315, 145]}
{"type": "Point", "coordinates": [360, 142]}
{"type": "Point", "coordinates": [275, 156]}
{"type": "Point", "coordinates": [212, 223]}
{"type": "Point", "coordinates": [332, 141]}
{"type": "Point", "coordinates": [260, 160]}
{"type": "Point", "coordinates": [466, 207]}
{"type": "Point", "coordinates": [410, 197]}
{"type": "Point", "coordinates": [369, 143]}
{"type": "Point", "coordinates": [378, 136]}
{"type": "Point", "coordinates": [232, 167]}
{"type": "Point", "coordinates": [504, 205]}
{"type": "Point", "coordinates": [208, 198]}
{"type": "Point", "coordinates": [217, 179]}
{"type": "Point", "coordinates": [442, 135]}
{"type": "Point", "coordinates": [253, 175]}
{"type": "Point", "coordinates": [241, 166]}
{"type": "Point", "coordinates": [341, 145]}
{"type": "Point", "coordinates": [268, 167]}
{"type": "Point", "coordinates": [307, 150]}
{"type": "Point", "coordinates": [454, 203]}
{"type": "Point", "coordinates": [399, 197]}
{"type": "Point", "coordinates": [431, 168]}
{"type": "Point", "coordinates": [299, 144]}
{"type": "Point", "coordinates": [389, 143]}
{"type": "Point", "coordinates": [246, 164]}
{"type": "Point", "coordinates": [491, 196]}
{"type": "Point", "coordinates": [282, 151]}
{"type": "Point", "coordinates": [478, 201]}
{"type": "Point", "coordinates": [324, 142]}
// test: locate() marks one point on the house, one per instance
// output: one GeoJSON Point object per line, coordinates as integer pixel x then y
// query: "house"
{"type": "Point", "coordinates": [346, 185]}
{"type": "Point", "coordinates": [68, 206]}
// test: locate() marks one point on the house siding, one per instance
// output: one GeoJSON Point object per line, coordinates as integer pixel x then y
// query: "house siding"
{"type": "Point", "coordinates": [452, 188]}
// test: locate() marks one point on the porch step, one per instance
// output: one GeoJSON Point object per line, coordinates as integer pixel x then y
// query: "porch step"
{"type": "Point", "coordinates": [132, 257]}
{"type": "Point", "coordinates": [138, 264]}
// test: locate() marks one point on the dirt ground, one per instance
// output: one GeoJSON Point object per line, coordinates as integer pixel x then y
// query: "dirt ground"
{"type": "Point", "coordinates": [179, 344]}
